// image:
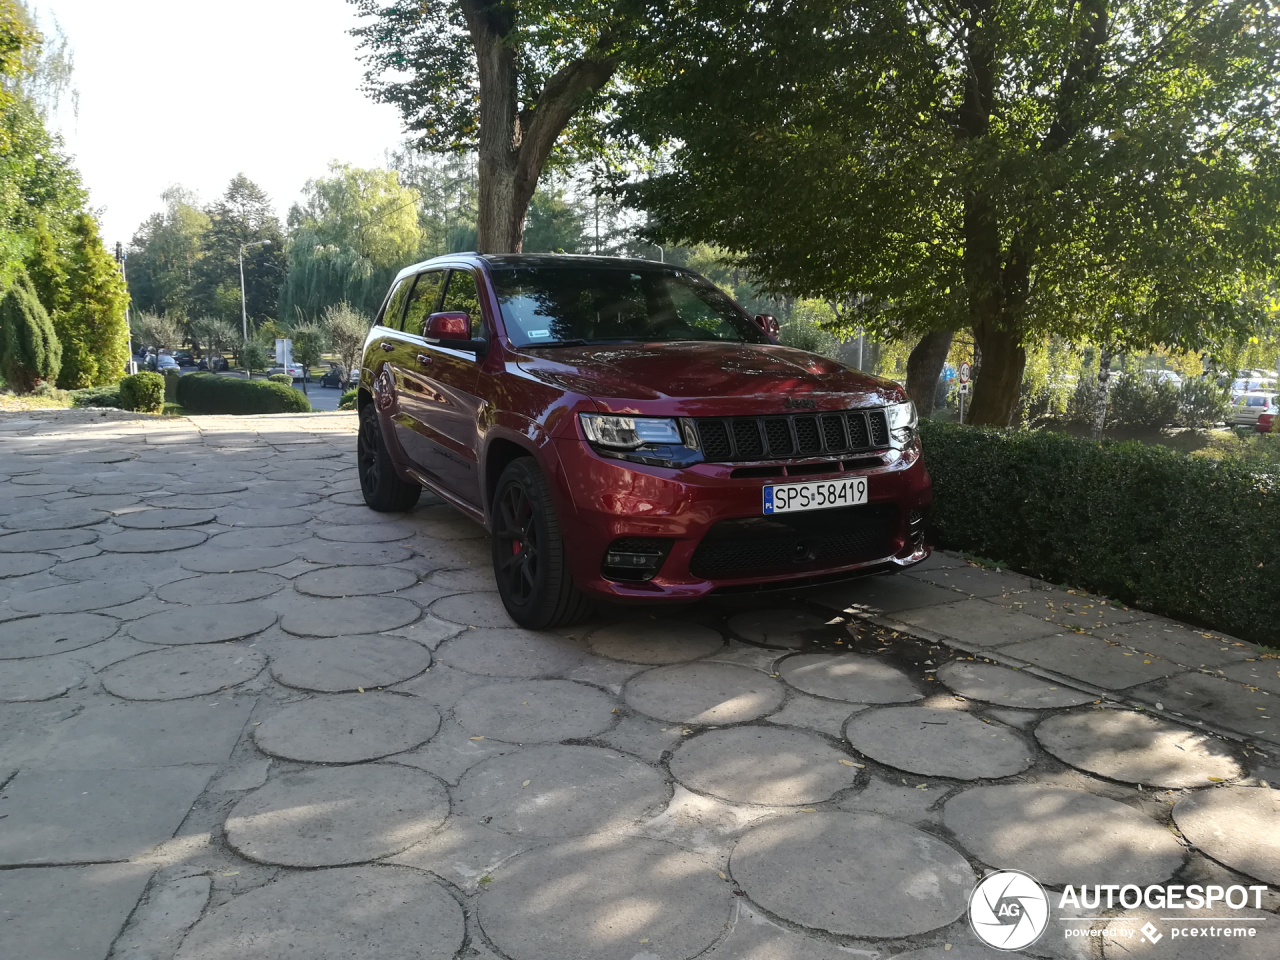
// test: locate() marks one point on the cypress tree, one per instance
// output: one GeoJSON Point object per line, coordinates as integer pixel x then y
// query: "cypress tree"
{"type": "Point", "coordinates": [29, 350]}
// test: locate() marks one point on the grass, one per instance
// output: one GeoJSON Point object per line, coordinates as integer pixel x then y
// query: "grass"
{"type": "Point", "coordinates": [173, 409]}
{"type": "Point", "coordinates": [54, 400]}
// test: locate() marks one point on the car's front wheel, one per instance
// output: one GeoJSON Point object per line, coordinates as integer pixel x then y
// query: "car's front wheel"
{"type": "Point", "coordinates": [381, 486]}
{"type": "Point", "coordinates": [528, 552]}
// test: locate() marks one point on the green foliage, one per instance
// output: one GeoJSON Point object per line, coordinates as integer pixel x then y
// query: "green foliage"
{"type": "Point", "coordinates": [17, 36]}
{"type": "Point", "coordinates": [269, 332]}
{"type": "Point", "coordinates": [346, 329]}
{"type": "Point", "coordinates": [1142, 401]}
{"type": "Point", "coordinates": [308, 345]}
{"type": "Point", "coordinates": [155, 330]}
{"type": "Point", "coordinates": [1190, 538]}
{"type": "Point", "coordinates": [143, 392]}
{"type": "Point", "coordinates": [108, 396]}
{"type": "Point", "coordinates": [90, 320]}
{"type": "Point", "coordinates": [213, 334]}
{"type": "Point", "coordinates": [1202, 403]}
{"type": "Point", "coordinates": [208, 393]}
{"type": "Point", "coordinates": [253, 356]}
{"type": "Point", "coordinates": [165, 253]}
{"type": "Point", "coordinates": [807, 328]}
{"type": "Point", "coordinates": [281, 378]}
{"type": "Point", "coordinates": [348, 399]}
{"type": "Point", "coordinates": [554, 224]}
{"type": "Point", "coordinates": [171, 378]}
{"type": "Point", "coordinates": [29, 350]}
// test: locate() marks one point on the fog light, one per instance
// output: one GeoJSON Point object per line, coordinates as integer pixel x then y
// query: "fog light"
{"type": "Point", "coordinates": [635, 558]}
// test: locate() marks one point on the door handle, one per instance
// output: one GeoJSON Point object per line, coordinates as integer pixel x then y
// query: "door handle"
{"type": "Point", "coordinates": [424, 359]}
{"type": "Point", "coordinates": [388, 346]}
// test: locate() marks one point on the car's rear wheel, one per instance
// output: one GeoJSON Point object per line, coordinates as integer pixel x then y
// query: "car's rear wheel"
{"type": "Point", "coordinates": [528, 552]}
{"type": "Point", "coordinates": [381, 486]}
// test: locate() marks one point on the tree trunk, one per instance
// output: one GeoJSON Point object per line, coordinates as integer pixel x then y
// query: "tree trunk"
{"type": "Point", "coordinates": [1100, 403]}
{"type": "Point", "coordinates": [996, 391]}
{"type": "Point", "coordinates": [924, 366]}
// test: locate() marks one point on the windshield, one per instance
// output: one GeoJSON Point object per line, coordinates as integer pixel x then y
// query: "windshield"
{"type": "Point", "coordinates": [573, 304]}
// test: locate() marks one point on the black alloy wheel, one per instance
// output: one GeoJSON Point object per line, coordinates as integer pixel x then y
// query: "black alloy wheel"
{"type": "Point", "coordinates": [381, 486]}
{"type": "Point", "coordinates": [529, 560]}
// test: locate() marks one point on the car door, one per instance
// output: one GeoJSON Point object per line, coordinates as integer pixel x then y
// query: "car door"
{"type": "Point", "coordinates": [405, 359]}
{"type": "Point", "coordinates": [445, 408]}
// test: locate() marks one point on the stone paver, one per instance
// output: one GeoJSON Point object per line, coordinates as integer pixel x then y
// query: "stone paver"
{"type": "Point", "coordinates": [704, 693]}
{"type": "Point", "coordinates": [801, 767]}
{"type": "Point", "coordinates": [222, 588]}
{"type": "Point", "coordinates": [142, 541]}
{"type": "Point", "coordinates": [333, 617]}
{"type": "Point", "coordinates": [977, 621]}
{"type": "Point", "coordinates": [780, 627]}
{"type": "Point", "coordinates": [328, 914]}
{"type": "Point", "coordinates": [41, 679]}
{"type": "Point", "coordinates": [220, 560]}
{"type": "Point", "coordinates": [200, 623]}
{"type": "Point", "coordinates": [902, 880]}
{"type": "Point", "coordinates": [536, 711]}
{"type": "Point", "coordinates": [1062, 836]}
{"type": "Point", "coordinates": [22, 564]}
{"type": "Point", "coordinates": [853, 677]}
{"type": "Point", "coordinates": [938, 743]}
{"type": "Point", "coordinates": [346, 664]}
{"type": "Point", "coordinates": [80, 597]}
{"type": "Point", "coordinates": [354, 581]}
{"type": "Point", "coordinates": [1092, 660]}
{"type": "Point", "coordinates": [1133, 748]}
{"type": "Point", "coordinates": [343, 815]}
{"type": "Point", "coordinates": [1240, 705]}
{"type": "Point", "coordinates": [52, 633]}
{"type": "Point", "coordinates": [652, 641]}
{"type": "Point", "coordinates": [511, 653]}
{"type": "Point", "coordinates": [67, 913]}
{"type": "Point", "coordinates": [1010, 688]}
{"type": "Point", "coordinates": [182, 672]}
{"type": "Point", "coordinates": [1237, 826]}
{"type": "Point", "coordinates": [348, 728]}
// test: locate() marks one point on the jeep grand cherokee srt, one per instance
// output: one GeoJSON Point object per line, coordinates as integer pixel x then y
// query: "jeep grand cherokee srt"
{"type": "Point", "coordinates": [625, 431]}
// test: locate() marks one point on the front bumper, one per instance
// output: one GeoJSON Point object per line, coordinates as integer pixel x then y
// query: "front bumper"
{"type": "Point", "coordinates": [706, 506]}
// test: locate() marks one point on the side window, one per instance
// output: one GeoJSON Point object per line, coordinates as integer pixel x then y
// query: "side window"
{"type": "Point", "coordinates": [395, 306]}
{"type": "Point", "coordinates": [461, 296]}
{"type": "Point", "coordinates": [425, 297]}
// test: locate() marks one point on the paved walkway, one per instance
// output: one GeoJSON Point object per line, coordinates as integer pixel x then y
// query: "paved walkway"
{"type": "Point", "coordinates": [242, 716]}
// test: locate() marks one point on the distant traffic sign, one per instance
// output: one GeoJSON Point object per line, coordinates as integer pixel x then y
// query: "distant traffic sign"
{"type": "Point", "coordinates": [964, 372]}
{"type": "Point", "coordinates": [964, 388]}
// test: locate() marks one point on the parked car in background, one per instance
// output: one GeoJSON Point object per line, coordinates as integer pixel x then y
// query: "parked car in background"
{"type": "Point", "coordinates": [295, 370]}
{"type": "Point", "coordinates": [338, 378]}
{"type": "Point", "coordinates": [184, 358]}
{"type": "Point", "coordinates": [1250, 407]}
{"type": "Point", "coordinates": [1267, 418]}
{"type": "Point", "coordinates": [626, 432]}
{"type": "Point", "coordinates": [166, 362]}
{"type": "Point", "coordinates": [1246, 385]}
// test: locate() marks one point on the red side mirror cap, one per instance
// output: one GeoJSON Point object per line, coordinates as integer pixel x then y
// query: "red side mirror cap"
{"type": "Point", "coordinates": [450, 325]}
{"type": "Point", "coordinates": [768, 323]}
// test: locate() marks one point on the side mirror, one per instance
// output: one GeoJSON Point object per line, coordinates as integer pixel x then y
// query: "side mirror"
{"type": "Point", "coordinates": [768, 323]}
{"type": "Point", "coordinates": [452, 330]}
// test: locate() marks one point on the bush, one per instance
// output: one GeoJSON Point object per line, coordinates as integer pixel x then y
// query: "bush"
{"type": "Point", "coordinates": [1141, 401]}
{"type": "Point", "coordinates": [348, 399]}
{"type": "Point", "coordinates": [1187, 537]}
{"type": "Point", "coordinates": [29, 350]}
{"type": "Point", "coordinates": [1202, 403]}
{"type": "Point", "coordinates": [281, 378]}
{"type": "Point", "coordinates": [143, 392]}
{"type": "Point", "coordinates": [209, 393]}
{"type": "Point", "coordinates": [253, 356]}
{"type": "Point", "coordinates": [108, 396]}
{"type": "Point", "coordinates": [171, 378]}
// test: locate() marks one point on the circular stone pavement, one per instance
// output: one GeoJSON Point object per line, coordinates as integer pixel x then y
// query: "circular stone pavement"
{"type": "Point", "coordinates": [853, 677]}
{"type": "Point", "coordinates": [365, 554]}
{"type": "Point", "coordinates": [220, 588]}
{"type": "Point", "coordinates": [1062, 836]}
{"type": "Point", "coordinates": [22, 564]}
{"type": "Point", "coordinates": [52, 633]}
{"type": "Point", "coordinates": [348, 728]}
{"type": "Point", "coordinates": [41, 679]}
{"type": "Point", "coordinates": [162, 518]}
{"type": "Point", "coordinates": [45, 540]}
{"type": "Point", "coordinates": [1237, 826]}
{"type": "Point", "coordinates": [396, 913]}
{"type": "Point", "coordinates": [856, 875]}
{"type": "Point", "coordinates": [1134, 748]}
{"type": "Point", "coordinates": [337, 815]}
{"type": "Point", "coordinates": [152, 541]}
{"type": "Point", "coordinates": [535, 711]}
{"type": "Point", "coordinates": [213, 559]}
{"type": "Point", "coordinates": [481, 609]}
{"type": "Point", "coordinates": [510, 653]}
{"type": "Point", "coordinates": [81, 597]}
{"type": "Point", "coordinates": [263, 517]}
{"type": "Point", "coordinates": [354, 615]}
{"type": "Point", "coordinates": [655, 641]}
{"type": "Point", "coordinates": [354, 581]}
{"type": "Point", "coordinates": [374, 533]}
{"type": "Point", "coordinates": [562, 791]}
{"type": "Point", "coordinates": [781, 627]}
{"type": "Point", "coordinates": [182, 672]}
{"type": "Point", "coordinates": [65, 519]}
{"type": "Point", "coordinates": [346, 664]}
{"type": "Point", "coordinates": [1010, 688]}
{"type": "Point", "coordinates": [707, 693]}
{"type": "Point", "coordinates": [765, 764]}
{"type": "Point", "coordinates": [605, 899]}
{"type": "Point", "coordinates": [938, 743]}
{"type": "Point", "coordinates": [216, 623]}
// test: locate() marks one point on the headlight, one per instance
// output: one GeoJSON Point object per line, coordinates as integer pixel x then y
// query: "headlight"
{"type": "Point", "coordinates": [902, 421]}
{"type": "Point", "coordinates": [628, 433]}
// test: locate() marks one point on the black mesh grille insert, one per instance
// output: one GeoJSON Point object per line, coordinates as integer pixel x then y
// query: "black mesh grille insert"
{"type": "Point", "coordinates": [778, 433]}
{"type": "Point", "coordinates": [746, 437]}
{"type": "Point", "coordinates": [833, 433]}
{"type": "Point", "coordinates": [714, 436]}
{"type": "Point", "coordinates": [807, 434]}
{"type": "Point", "coordinates": [879, 427]}
{"type": "Point", "coordinates": [858, 436]}
{"type": "Point", "coordinates": [804, 542]}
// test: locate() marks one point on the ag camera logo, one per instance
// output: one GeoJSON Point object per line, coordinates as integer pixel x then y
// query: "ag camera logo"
{"type": "Point", "coordinates": [1008, 910]}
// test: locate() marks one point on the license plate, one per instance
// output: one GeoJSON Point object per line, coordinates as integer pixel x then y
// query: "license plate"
{"type": "Point", "coordinates": [817, 495]}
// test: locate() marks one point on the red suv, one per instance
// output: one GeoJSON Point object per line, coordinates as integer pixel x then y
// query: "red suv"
{"type": "Point", "coordinates": [625, 431]}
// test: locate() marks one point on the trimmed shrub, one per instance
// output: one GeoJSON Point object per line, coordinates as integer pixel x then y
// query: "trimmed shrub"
{"type": "Point", "coordinates": [1187, 537]}
{"type": "Point", "coordinates": [209, 393]}
{"type": "Point", "coordinates": [281, 378]}
{"type": "Point", "coordinates": [29, 350]}
{"type": "Point", "coordinates": [143, 392]}
{"type": "Point", "coordinates": [1202, 403]}
{"type": "Point", "coordinates": [348, 399]}
{"type": "Point", "coordinates": [108, 396]}
{"type": "Point", "coordinates": [1142, 401]}
{"type": "Point", "coordinates": [171, 378]}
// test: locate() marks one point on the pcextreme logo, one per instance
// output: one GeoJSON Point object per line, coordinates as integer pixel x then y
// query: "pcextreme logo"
{"type": "Point", "coordinates": [1009, 910]}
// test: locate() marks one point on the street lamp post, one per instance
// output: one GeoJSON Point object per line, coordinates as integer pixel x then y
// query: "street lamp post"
{"type": "Point", "coordinates": [244, 309]}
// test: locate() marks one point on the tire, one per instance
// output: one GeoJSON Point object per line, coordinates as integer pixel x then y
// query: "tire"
{"type": "Point", "coordinates": [382, 487]}
{"type": "Point", "coordinates": [528, 552]}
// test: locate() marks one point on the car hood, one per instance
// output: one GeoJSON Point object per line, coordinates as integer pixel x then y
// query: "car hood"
{"type": "Point", "coordinates": [705, 379]}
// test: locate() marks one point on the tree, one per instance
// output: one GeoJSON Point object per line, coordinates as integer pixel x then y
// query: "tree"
{"type": "Point", "coordinates": [554, 224]}
{"type": "Point", "coordinates": [17, 37]}
{"type": "Point", "coordinates": [156, 330]}
{"type": "Point", "coordinates": [29, 350]}
{"type": "Point", "coordinates": [253, 356]}
{"type": "Point", "coordinates": [165, 254]}
{"type": "Point", "coordinates": [90, 321]}
{"type": "Point", "coordinates": [504, 79]}
{"type": "Point", "coordinates": [346, 329]}
{"type": "Point", "coordinates": [242, 215]}
{"type": "Point", "coordinates": [308, 345]}
{"type": "Point", "coordinates": [1102, 170]}
{"type": "Point", "coordinates": [215, 334]}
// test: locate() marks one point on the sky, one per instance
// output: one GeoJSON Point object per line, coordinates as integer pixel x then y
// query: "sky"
{"type": "Point", "coordinates": [174, 92]}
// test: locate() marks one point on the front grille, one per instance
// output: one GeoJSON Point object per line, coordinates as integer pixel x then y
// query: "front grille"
{"type": "Point", "coordinates": [734, 439]}
{"type": "Point", "coordinates": [764, 546]}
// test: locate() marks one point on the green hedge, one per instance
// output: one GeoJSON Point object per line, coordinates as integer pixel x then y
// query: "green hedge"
{"type": "Point", "coordinates": [1191, 538]}
{"type": "Point", "coordinates": [281, 378]}
{"type": "Point", "coordinates": [210, 393]}
{"type": "Point", "coordinates": [348, 399]}
{"type": "Point", "coordinates": [143, 392]}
